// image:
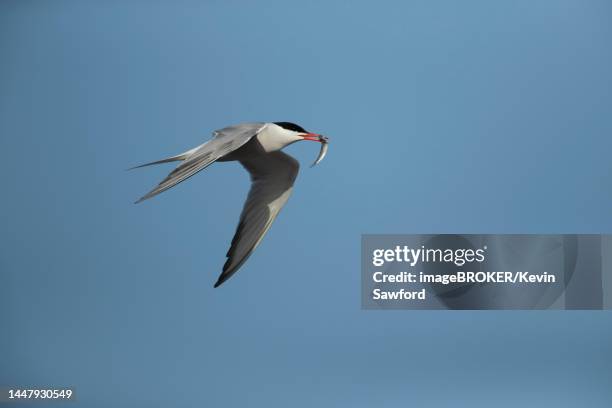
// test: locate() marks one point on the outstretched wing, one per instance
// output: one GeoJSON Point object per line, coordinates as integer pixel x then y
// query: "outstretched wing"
{"type": "Point", "coordinates": [272, 177]}
{"type": "Point", "coordinates": [224, 141]}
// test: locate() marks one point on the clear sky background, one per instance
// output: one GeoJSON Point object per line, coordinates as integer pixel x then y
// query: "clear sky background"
{"type": "Point", "coordinates": [445, 116]}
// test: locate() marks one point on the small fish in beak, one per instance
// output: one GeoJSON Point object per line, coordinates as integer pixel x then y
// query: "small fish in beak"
{"type": "Point", "coordinates": [324, 146]}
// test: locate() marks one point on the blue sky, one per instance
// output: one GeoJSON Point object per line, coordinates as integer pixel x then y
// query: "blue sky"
{"type": "Point", "coordinates": [467, 117]}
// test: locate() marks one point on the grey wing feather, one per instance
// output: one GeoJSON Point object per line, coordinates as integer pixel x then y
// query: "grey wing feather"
{"type": "Point", "coordinates": [272, 178]}
{"type": "Point", "coordinates": [224, 141]}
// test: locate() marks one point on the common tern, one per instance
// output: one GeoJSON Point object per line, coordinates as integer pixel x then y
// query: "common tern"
{"type": "Point", "coordinates": [257, 146]}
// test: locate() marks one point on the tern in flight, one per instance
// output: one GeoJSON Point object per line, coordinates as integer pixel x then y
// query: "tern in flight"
{"type": "Point", "coordinates": [257, 146]}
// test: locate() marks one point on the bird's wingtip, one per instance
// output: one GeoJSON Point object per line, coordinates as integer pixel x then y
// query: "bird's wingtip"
{"type": "Point", "coordinates": [146, 197]}
{"type": "Point", "coordinates": [221, 279]}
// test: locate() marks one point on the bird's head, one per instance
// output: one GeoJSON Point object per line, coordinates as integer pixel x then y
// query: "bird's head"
{"type": "Point", "coordinates": [291, 133]}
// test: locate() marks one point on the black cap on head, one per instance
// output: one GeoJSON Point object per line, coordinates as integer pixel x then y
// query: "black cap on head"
{"type": "Point", "coordinates": [291, 126]}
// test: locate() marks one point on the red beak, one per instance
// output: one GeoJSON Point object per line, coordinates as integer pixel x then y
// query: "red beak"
{"type": "Point", "coordinates": [315, 137]}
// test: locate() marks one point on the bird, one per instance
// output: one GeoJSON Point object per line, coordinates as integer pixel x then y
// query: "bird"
{"type": "Point", "coordinates": [258, 148]}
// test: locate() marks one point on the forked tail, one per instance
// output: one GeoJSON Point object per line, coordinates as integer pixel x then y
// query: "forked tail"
{"type": "Point", "coordinates": [178, 157]}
